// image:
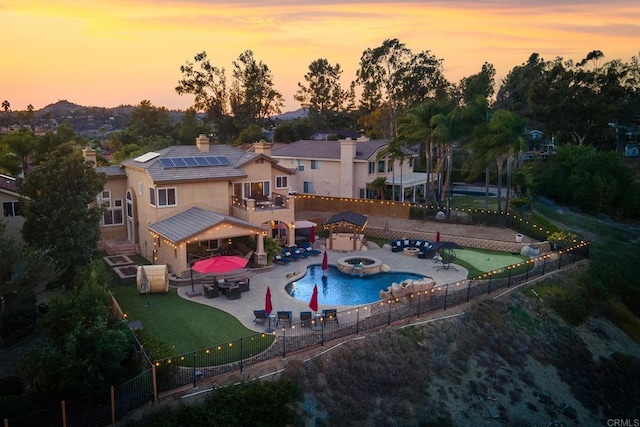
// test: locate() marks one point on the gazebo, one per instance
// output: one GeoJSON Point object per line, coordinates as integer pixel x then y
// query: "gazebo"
{"type": "Point", "coordinates": [346, 231]}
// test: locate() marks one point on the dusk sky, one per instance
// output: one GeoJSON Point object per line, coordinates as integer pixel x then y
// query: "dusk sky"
{"type": "Point", "coordinates": [113, 52]}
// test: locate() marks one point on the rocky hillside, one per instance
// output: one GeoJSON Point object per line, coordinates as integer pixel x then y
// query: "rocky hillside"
{"type": "Point", "coordinates": [512, 361]}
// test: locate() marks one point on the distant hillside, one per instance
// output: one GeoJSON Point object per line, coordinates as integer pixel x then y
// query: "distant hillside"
{"type": "Point", "coordinates": [291, 115]}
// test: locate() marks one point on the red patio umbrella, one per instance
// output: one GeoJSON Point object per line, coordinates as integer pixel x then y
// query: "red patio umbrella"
{"type": "Point", "coordinates": [313, 304]}
{"type": "Point", "coordinates": [312, 237]}
{"type": "Point", "coordinates": [219, 264]}
{"type": "Point", "coordinates": [325, 262]}
{"type": "Point", "coordinates": [437, 237]}
{"type": "Point", "coordinates": [268, 308]}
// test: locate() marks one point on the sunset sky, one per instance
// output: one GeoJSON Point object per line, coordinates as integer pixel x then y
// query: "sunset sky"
{"type": "Point", "coordinates": [113, 52]}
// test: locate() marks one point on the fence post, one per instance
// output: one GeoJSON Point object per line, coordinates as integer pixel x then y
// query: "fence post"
{"type": "Point", "coordinates": [418, 310]}
{"type": "Point", "coordinates": [468, 290]}
{"type": "Point", "coordinates": [63, 408]}
{"type": "Point", "coordinates": [526, 276]}
{"type": "Point", "coordinates": [446, 291]}
{"type": "Point", "coordinates": [559, 260]}
{"type": "Point", "coordinates": [284, 343]}
{"type": "Point", "coordinates": [194, 370]}
{"type": "Point", "coordinates": [544, 266]}
{"type": "Point", "coordinates": [509, 278]}
{"type": "Point", "coordinates": [389, 313]}
{"type": "Point", "coordinates": [154, 381]}
{"type": "Point", "coordinates": [241, 354]}
{"type": "Point", "coordinates": [357, 320]}
{"type": "Point", "coordinates": [113, 406]}
{"type": "Point", "coordinates": [489, 293]}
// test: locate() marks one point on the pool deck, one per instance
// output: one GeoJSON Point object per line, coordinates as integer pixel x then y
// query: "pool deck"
{"type": "Point", "coordinates": [281, 275]}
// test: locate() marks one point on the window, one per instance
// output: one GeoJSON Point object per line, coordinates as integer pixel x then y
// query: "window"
{"type": "Point", "coordinates": [315, 164]}
{"type": "Point", "coordinates": [282, 181]}
{"type": "Point", "coordinates": [301, 165]}
{"type": "Point", "coordinates": [167, 197]}
{"type": "Point", "coordinates": [390, 166]}
{"type": "Point", "coordinates": [113, 212]}
{"type": "Point", "coordinates": [307, 187]}
{"type": "Point", "coordinates": [361, 193]}
{"type": "Point", "coordinates": [256, 189]}
{"type": "Point", "coordinates": [152, 196]}
{"type": "Point", "coordinates": [11, 209]}
{"type": "Point", "coordinates": [381, 165]}
{"type": "Point", "coordinates": [372, 167]}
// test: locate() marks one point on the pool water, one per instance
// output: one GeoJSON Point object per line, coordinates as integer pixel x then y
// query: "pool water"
{"type": "Point", "coordinates": [337, 288]}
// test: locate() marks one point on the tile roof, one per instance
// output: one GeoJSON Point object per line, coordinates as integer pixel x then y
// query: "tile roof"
{"type": "Point", "coordinates": [111, 170]}
{"type": "Point", "coordinates": [311, 149]}
{"type": "Point", "coordinates": [159, 174]}
{"type": "Point", "coordinates": [192, 222]}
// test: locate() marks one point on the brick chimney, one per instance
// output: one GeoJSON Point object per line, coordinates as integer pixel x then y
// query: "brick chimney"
{"type": "Point", "coordinates": [202, 142]}
{"type": "Point", "coordinates": [347, 155]}
{"type": "Point", "coordinates": [90, 155]}
{"type": "Point", "coordinates": [263, 147]}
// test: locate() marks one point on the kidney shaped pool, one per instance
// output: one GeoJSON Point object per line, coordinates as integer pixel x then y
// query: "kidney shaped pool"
{"type": "Point", "coordinates": [337, 288]}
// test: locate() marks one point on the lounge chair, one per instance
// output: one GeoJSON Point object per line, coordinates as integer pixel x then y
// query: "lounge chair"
{"type": "Point", "coordinates": [305, 318]}
{"type": "Point", "coordinates": [287, 253]}
{"type": "Point", "coordinates": [330, 314]}
{"type": "Point", "coordinates": [284, 316]}
{"type": "Point", "coordinates": [279, 259]}
{"type": "Point", "coordinates": [298, 251]}
{"type": "Point", "coordinates": [306, 246]}
{"type": "Point", "coordinates": [260, 316]}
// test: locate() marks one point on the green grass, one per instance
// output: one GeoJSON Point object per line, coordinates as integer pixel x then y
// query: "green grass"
{"type": "Point", "coordinates": [480, 261]}
{"type": "Point", "coordinates": [475, 202]}
{"type": "Point", "coordinates": [185, 325]}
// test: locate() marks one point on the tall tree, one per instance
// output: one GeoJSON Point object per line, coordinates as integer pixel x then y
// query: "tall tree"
{"type": "Point", "coordinates": [253, 96]}
{"type": "Point", "coordinates": [392, 74]}
{"type": "Point", "coordinates": [6, 106]}
{"type": "Point", "coordinates": [147, 120]}
{"type": "Point", "coordinates": [61, 214]}
{"type": "Point", "coordinates": [21, 145]}
{"type": "Point", "coordinates": [208, 84]}
{"type": "Point", "coordinates": [323, 95]}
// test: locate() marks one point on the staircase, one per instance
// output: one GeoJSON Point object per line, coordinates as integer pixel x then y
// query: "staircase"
{"type": "Point", "coordinates": [120, 247]}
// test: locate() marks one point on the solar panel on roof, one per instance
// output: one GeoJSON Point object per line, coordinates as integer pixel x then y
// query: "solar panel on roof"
{"type": "Point", "coordinates": [167, 163]}
{"type": "Point", "coordinates": [223, 160]}
{"type": "Point", "coordinates": [190, 161]}
{"type": "Point", "coordinates": [213, 161]}
{"type": "Point", "coordinates": [179, 162]}
{"type": "Point", "coordinates": [201, 161]}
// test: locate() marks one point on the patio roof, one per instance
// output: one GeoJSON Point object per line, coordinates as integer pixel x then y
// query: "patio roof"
{"type": "Point", "coordinates": [348, 217]}
{"type": "Point", "coordinates": [194, 221]}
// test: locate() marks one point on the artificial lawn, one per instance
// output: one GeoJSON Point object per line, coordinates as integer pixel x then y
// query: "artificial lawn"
{"type": "Point", "coordinates": [480, 261]}
{"type": "Point", "coordinates": [185, 325]}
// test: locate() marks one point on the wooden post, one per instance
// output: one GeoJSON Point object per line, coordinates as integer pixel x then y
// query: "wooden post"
{"type": "Point", "coordinates": [155, 383]}
{"type": "Point", "coordinates": [113, 406]}
{"type": "Point", "coordinates": [64, 414]}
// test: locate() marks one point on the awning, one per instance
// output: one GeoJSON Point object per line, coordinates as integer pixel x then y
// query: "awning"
{"type": "Point", "coordinates": [304, 224]}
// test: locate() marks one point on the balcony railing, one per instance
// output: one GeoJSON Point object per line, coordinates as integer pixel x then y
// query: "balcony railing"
{"type": "Point", "coordinates": [273, 202]}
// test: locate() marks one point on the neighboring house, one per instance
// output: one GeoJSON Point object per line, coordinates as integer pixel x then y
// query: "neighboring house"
{"type": "Point", "coordinates": [324, 135]}
{"type": "Point", "coordinates": [11, 206]}
{"type": "Point", "coordinates": [345, 168]}
{"type": "Point", "coordinates": [185, 202]}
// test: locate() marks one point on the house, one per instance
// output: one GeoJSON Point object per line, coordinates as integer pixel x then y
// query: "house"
{"type": "Point", "coordinates": [186, 202]}
{"type": "Point", "coordinates": [11, 206]}
{"type": "Point", "coordinates": [345, 168]}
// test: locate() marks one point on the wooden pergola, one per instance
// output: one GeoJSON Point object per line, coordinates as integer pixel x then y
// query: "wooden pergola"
{"type": "Point", "coordinates": [346, 222]}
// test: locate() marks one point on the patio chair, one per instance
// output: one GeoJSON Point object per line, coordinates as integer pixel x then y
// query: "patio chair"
{"type": "Point", "coordinates": [284, 316]}
{"type": "Point", "coordinates": [307, 247]}
{"type": "Point", "coordinates": [330, 314]}
{"type": "Point", "coordinates": [287, 253]}
{"type": "Point", "coordinates": [260, 316]}
{"type": "Point", "coordinates": [233, 292]}
{"type": "Point", "coordinates": [244, 285]}
{"type": "Point", "coordinates": [299, 251]}
{"type": "Point", "coordinates": [210, 290]}
{"type": "Point", "coordinates": [279, 259]}
{"type": "Point", "coordinates": [305, 318]}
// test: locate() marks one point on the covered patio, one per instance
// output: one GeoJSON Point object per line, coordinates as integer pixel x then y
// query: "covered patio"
{"type": "Point", "coordinates": [199, 233]}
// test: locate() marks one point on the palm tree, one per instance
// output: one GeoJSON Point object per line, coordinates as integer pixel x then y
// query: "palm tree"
{"type": "Point", "coordinates": [379, 185]}
{"type": "Point", "coordinates": [393, 151]}
{"type": "Point", "coordinates": [6, 107]}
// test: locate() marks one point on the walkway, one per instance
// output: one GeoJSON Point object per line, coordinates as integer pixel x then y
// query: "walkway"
{"type": "Point", "coordinates": [281, 275]}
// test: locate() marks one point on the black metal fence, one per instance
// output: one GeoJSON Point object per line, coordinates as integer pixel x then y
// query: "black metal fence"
{"type": "Point", "coordinates": [205, 364]}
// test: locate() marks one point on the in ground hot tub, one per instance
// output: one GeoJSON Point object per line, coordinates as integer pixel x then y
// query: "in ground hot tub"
{"type": "Point", "coordinates": [359, 265]}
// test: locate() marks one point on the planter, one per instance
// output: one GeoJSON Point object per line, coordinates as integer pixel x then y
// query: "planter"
{"type": "Point", "coordinates": [519, 238]}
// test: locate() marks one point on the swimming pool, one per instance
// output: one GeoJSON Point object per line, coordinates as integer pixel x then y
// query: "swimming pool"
{"type": "Point", "coordinates": [337, 288]}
